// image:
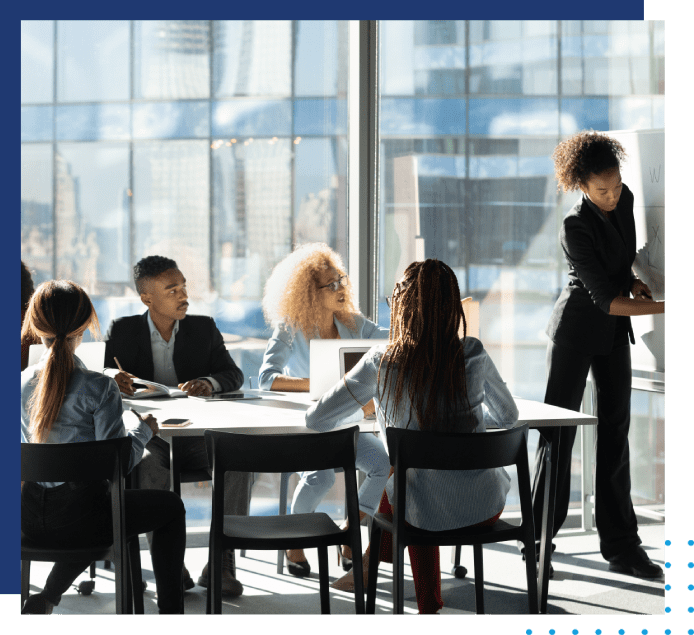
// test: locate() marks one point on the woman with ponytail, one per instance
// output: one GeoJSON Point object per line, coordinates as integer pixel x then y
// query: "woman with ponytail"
{"type": "Point", "coordinates": [427, 378]}
{"type": "Point", "coordinates": [63, 402]}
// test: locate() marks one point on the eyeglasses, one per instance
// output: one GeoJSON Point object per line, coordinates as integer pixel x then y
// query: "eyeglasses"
{"type": "Point", "coordinates": [335, 284]}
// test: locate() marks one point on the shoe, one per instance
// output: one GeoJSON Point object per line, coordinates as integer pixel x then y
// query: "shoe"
{"type": "Point", "coordinates": [346, 582]}
{"type": "Point", "coordinates": [188, 583]}
{"type": "Point", "coordinates": [230, 585]}
{"type": "Point", "coordinates": [299, 569]}
{"type": "Point", "coordinates": [635, 562]}
{"type": "Point", "coordinates": [343, 559]}
{"type": "Point", "coordinates": [37, 605]}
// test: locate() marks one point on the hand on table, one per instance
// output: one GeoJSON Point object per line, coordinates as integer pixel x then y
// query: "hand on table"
{"type": "Point", "coordinates": [151, 421]}
{"type": "Point", "coordinates": [197, 387]}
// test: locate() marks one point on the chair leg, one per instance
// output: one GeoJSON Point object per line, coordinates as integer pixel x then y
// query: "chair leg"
{"type": "Point", "coordinates": [26, 569]}
{"type": "Point", "coordinates": [121, 573]}
{"type": "Point", "coordinates": [323, 580]}
{"type": "Point", "coordinates": [215, 581]}
{"type": "Point", "coordinates": [398, 579]}
{"type": "Point", "coordinates": [531, 576]}
{"type": "Point", "coordinates": [479, 579]}
{"type": "Point", "coordinates": [373, 569]}
{"type": "Point", "coordinates": [284, 487]}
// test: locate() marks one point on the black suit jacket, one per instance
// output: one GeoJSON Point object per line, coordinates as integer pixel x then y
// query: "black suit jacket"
{"type": "Point", "coordinates": [600, 263]}
{"type": "Point", "coordinates": [199, 350]}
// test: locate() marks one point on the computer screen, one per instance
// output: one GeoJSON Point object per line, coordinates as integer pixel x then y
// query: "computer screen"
{"type": "Point", "coordinates": [327, 362]}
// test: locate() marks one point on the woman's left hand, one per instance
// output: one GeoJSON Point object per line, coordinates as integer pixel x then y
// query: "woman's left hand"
{"type": "Point", "coordinates": [640, 290]}
{"type": "Point", "coordinates": [369, 409]}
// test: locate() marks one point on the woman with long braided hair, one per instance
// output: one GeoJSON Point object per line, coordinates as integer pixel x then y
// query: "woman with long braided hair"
{"type": "Point", "coordinates": [427, 378]}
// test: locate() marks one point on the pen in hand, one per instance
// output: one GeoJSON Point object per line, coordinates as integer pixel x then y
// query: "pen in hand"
{"type": "Point", "coordinates": [149, 421]}
{"type": "Point", "coordinates": [126, 386]}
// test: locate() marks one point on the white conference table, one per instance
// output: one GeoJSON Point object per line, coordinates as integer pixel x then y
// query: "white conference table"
{"type": "Point", "coordinates": [283, 412]}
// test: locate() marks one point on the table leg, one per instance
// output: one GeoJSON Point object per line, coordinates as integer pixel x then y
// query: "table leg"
{"type": "Point", "coordinates": [548, 519]}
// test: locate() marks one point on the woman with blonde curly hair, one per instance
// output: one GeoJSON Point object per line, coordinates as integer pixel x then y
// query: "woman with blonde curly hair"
{"type": "Point", "coordinates": [309, 296]}
{"type": "Point", "coordinates": [590, 329]}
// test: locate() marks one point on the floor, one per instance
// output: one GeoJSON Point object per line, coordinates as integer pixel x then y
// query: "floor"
{"type": "Point", "coordinates": [582, 584]}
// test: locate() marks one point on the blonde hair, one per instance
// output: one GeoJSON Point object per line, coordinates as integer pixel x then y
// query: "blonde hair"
{"type": "Point", "coordinates": [59, 310]}
{"type": "Point", "coordinates": [292, 294]}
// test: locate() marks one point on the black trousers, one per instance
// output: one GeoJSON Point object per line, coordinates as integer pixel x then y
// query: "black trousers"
{"type": "Point", "coordinates": [614, 513]}
{"type": "Point", "coordinates": [75, 514]}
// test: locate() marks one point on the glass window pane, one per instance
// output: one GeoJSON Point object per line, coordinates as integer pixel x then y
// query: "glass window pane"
{"type": "Point", "coordinates": [252, 58]}
{"type": "Point", "coordinates": [422, 116]}
{"type": "Point", "coordinates": [37, 210]}
{"type": "Point", "coordinates": [253, 216]}
{"type": "Point", "coordinates": [92, 209]}
{"type": "Point", "coordinates": [247, 117]}
{"type": "Point", "coordinates": [321, 54]}
{"type": "Point", "coordinates": [90, 122]}
{"type": "Point", "coordinates": [93, 60]}
{"type": "Point", "coordinates": [172, 59]}
{"type": "Point", "coordinates": [170, 120]}
{"type": "Point", "coordinates": [37, 123]}
{"type": "Point", "coordinates": [172, 207]}
{"type": "Point", "coordinates": [37, 61]}
{"type": "Point", "coordinates": [320, 116]}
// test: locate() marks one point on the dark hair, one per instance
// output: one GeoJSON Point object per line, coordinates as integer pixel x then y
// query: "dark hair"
{"type": "Point", "coordinates": [151, 267]}
{"type": "Point", "coordinates": [425, 348]}
{"type": "Point", "coordinates": [59, 310]}
{"type": "Point", "coordinates": [27, 286]}
{"type": "Point", "coordinates": [585, 153]}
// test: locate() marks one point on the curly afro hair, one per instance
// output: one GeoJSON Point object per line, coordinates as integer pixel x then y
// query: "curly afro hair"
{"type": "Point", "coordinates": [292, 295]}
{"type": "Point", "coordinates": [585, 153]}
{"type": "Point", "coordinates": [151, 267]}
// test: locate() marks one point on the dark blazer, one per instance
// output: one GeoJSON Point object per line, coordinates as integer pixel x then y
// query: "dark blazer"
{"type": "Point", "coordinates": [199, 350]}
{"type": "Point", "coordinates": [600, 263]}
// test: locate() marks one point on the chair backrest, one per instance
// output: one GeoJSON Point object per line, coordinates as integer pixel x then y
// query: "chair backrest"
{"type": "Point", "coordinates": [91, 354]}
{"type": "Point", "coordinates": [456, 451]}
{"type": "Point", "coordinates": [88, 461]}
{"type": "Point", "coordinates": [304, 451]}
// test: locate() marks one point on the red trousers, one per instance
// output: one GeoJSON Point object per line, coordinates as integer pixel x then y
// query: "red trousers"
{"type": "Point", "coordinates": [426, 568]}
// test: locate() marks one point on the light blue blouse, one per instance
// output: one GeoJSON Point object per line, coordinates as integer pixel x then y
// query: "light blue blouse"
{"type": "Point", "coordinates": [287, 351]}
{"type": "Point", "coordinates": [92, 410]}
{"type": "Point", "coordinates": [436, 501]}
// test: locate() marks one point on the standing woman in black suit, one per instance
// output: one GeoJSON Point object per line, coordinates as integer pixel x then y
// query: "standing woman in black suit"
{"type": "Point", "coordinates": [590, 328]}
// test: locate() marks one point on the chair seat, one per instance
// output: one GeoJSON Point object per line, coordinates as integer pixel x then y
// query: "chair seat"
{"type": "Point", "coordinates": [498, 532]}
{"type": "Point", "coordinates": [282, 532]}
{"type": "Point", "coordinates": [32, 550]}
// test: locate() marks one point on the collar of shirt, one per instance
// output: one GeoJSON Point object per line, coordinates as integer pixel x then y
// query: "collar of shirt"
{"type": "Point", "coordinates": [156, 335]}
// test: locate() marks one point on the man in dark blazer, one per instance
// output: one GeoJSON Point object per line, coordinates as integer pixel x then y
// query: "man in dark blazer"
{"type": "Point", "coordinates": [170, 347]}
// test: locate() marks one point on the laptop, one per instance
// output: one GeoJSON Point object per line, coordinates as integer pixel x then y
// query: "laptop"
{"type": "Point", "coordinates": [331, 359]}
{"type": "Point", "coordinates": [91, 353]}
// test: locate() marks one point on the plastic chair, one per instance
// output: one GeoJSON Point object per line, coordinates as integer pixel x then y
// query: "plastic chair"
{"type": "Point", "coordinates": [88, 461]}
{"type": "Point", "coordinates": [228, 451]}
{"type": "Point", "coordinates": [451, 451]}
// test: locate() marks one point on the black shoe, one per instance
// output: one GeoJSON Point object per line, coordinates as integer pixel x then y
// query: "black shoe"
{"type": "Point", "coordinates": [230, 585]}
{"type": "Point", "coordinates": [635, 562]}
{"type": "Point", "coordinates": [299, 569]}
{"type": "Point", "coordinates": [343, 560]}
{"type": "Point", "coordinates": [37, 605]}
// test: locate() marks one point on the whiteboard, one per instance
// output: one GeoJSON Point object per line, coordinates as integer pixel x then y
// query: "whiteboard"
{"type": "Point", "coordinates": [644, 173]}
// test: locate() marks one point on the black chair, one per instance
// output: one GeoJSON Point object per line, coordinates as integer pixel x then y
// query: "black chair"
{"type": "Point", "coordinates": [88, 461]}
{"type": "Point", "coordinates": [450, 451]}
{"type": "Point", "coordinates": [228, 451]}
